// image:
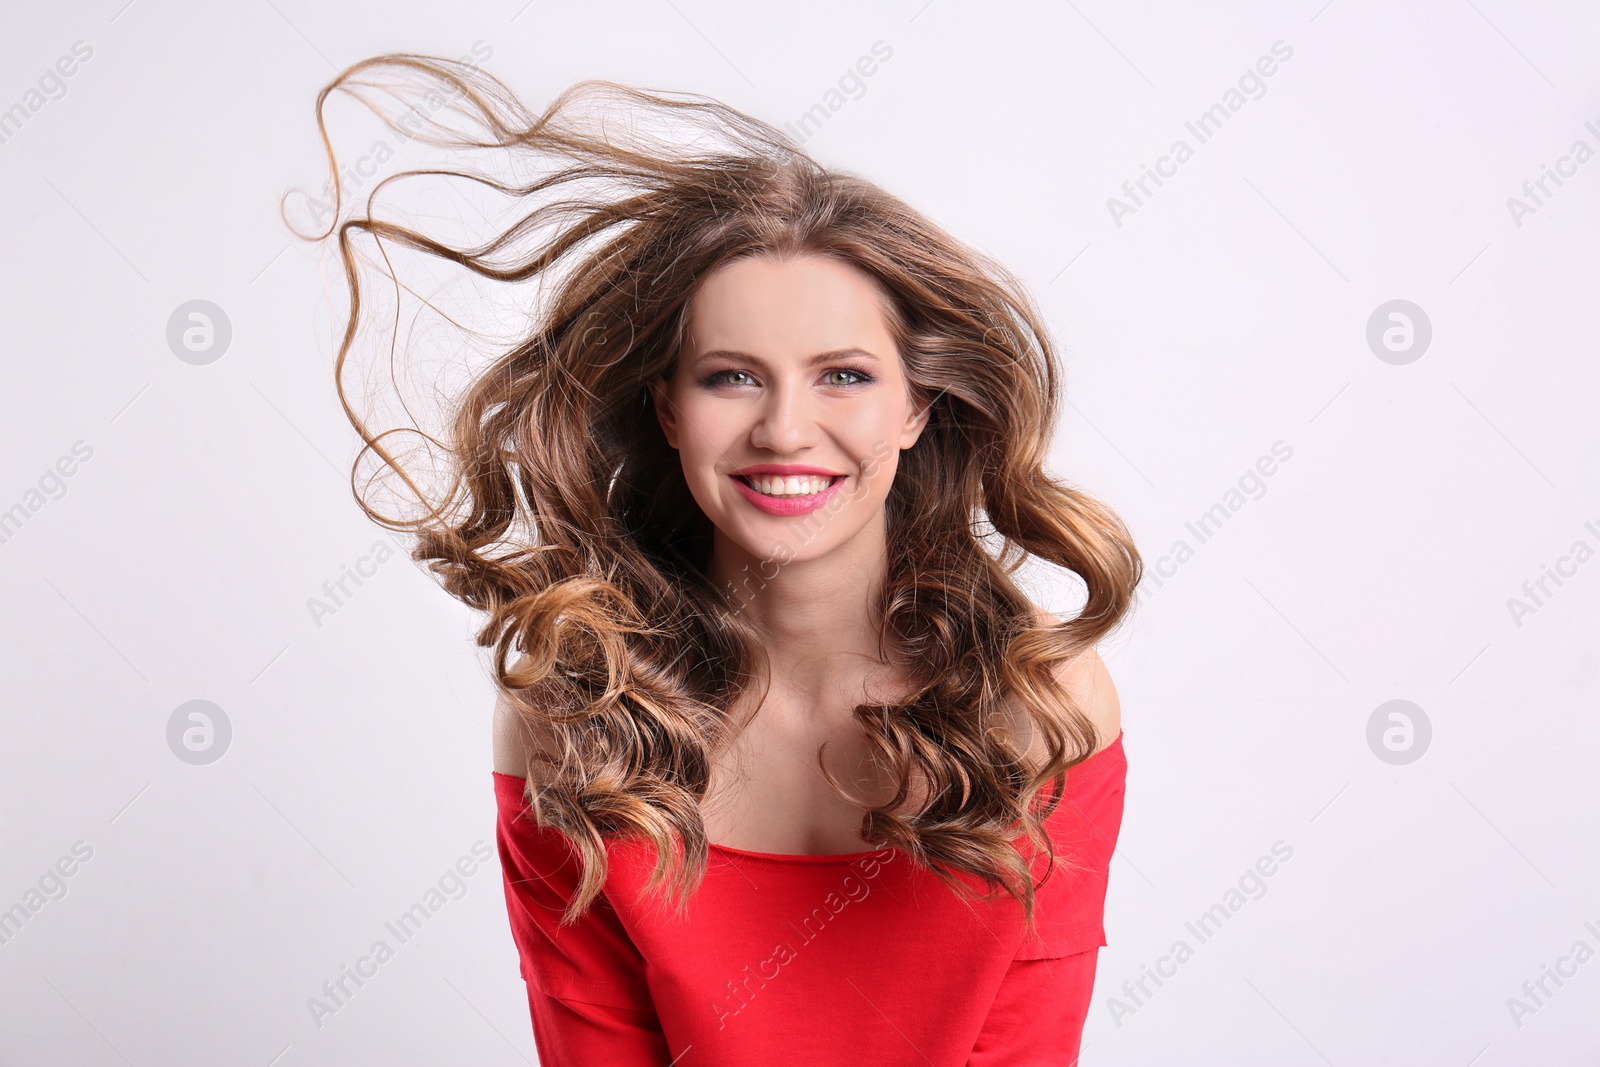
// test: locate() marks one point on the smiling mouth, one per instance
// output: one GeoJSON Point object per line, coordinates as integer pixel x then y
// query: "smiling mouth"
{"type": "Point", "coordinates": [789, 488]}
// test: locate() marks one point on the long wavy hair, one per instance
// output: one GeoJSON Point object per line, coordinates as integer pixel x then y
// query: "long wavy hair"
{"type": "Point", "coordinates": [568, 523]}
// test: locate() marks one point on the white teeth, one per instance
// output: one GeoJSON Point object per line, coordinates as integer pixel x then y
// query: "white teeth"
{"type": "Point", "coordinates": [791, 486]}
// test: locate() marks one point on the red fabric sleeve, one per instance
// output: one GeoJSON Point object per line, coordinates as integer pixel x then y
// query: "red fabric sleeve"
{"type": "Point", "coordinates": [1070, 906]}
{"type": "Point", "coordinates": [587, 993]}
{"type": "Point", "coordinates": [1037, 1017]}
{"type": "Point", "coordinates": [1038, 1012]}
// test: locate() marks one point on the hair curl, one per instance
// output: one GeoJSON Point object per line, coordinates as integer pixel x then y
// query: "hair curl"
{"type": "Point", "coordinates": [569, 524]}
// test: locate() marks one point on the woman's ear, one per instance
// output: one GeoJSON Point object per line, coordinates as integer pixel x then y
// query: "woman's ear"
{"type": "Point", "coordinates": [666, 415]}
{"type": "Point", "coordinates": [917, 418]}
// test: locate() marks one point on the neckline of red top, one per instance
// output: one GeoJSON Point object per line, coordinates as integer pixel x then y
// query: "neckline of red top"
{"type": "Point", "coordinates": [1095, 761]}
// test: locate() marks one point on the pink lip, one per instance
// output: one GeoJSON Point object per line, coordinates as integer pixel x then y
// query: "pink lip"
{"type": "Point", "coordinates": [789, 505]}
{"type": "Point", "coordinates": [785, 470]}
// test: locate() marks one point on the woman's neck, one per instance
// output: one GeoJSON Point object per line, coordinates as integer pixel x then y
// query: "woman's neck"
{"type": "Point", "coordinates": [819, 616]}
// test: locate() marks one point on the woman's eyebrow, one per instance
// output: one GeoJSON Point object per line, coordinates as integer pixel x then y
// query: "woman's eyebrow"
{"type": "Point", "coordinates": [820, 357]}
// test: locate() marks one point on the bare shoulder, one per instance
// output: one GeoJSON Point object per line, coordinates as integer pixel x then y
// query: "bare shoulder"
{"type": "Point", "coordinates": [515, 738]}
{"type": "Point", "coordinates": [1088, 680]}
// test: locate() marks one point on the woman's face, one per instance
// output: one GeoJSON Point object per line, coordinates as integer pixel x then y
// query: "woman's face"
{"type": "Point", "coordinates": [788, 405]}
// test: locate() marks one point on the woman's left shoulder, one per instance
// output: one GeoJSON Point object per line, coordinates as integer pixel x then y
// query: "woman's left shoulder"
{"type": "Point", "coordinates": [1088, 680]}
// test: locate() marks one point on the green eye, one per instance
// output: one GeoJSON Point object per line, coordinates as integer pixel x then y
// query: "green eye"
{"type": "Point", "coordinates": [725, 377]}
{"type": "Point", "coordinates": [720, 377]}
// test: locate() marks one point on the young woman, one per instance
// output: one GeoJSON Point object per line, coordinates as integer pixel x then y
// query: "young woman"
{"type": "Point", "coordinates": [787, 765]}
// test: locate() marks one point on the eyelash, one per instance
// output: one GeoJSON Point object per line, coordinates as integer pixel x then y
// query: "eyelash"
{"type": "Point", "coordinates": [716, 377]}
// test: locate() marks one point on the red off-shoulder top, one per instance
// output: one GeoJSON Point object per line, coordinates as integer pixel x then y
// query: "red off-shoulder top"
{"type": "Point", "coordinates": [843, 959]}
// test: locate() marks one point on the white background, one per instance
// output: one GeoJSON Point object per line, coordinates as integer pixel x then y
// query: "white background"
{"type": "Point", "coordinates": [1228, 313]}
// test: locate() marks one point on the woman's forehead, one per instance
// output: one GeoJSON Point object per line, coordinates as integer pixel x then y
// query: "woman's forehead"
{"type": "Point", "coordinates": [785, 307]}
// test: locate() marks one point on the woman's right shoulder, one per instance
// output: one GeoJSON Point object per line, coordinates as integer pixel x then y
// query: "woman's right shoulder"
{"type": "Point", "coordinates": [515, 737]}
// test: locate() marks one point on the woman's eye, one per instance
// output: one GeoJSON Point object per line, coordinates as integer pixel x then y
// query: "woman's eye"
{"type": "Point", "coordinates": [720, 377]}
{"type": "Point", "coordinates": [739, 377]}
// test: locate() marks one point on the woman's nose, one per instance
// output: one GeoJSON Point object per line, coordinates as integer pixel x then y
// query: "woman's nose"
{"type": "Point", "coordinates": [786, 422]}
